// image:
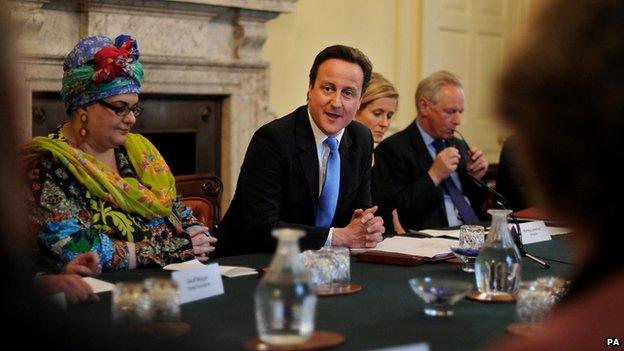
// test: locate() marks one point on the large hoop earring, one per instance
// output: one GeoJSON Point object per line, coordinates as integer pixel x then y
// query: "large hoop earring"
{"type": "Point", "coordinates": [83, 131]}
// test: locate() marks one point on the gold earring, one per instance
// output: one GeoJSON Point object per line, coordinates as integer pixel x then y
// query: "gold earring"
{"type": "Point", "coordinates": [83, 131]}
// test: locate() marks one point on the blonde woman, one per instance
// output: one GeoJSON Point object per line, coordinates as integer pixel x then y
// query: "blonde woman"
{"type": "Point", "coordinates": [379, 105]}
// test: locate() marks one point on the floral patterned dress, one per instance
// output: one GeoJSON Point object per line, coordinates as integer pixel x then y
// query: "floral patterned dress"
{"type": "Point", "coordinates": [69, 220]}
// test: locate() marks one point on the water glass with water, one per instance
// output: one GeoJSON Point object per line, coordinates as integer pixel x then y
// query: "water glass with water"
{"type": "Point", "coordinates": [558, 286]}
{"type": "Point", "coordinates": [329, 268]}
{"type": "Point", "coordinates": [471, 239]}
{"type": "Point", "coordinates": [131, 307]}
{"type": "Point", "coordinates": [318, 263]}
{"type": "Point", "coordinates": [535, 300]}
{"type": "Point", "coordinates": [340, 266]}
{"type": "Point", "coordinates": [165, 299]}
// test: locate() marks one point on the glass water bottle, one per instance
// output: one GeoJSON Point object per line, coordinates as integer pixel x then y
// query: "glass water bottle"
{"type": "Point", "coordinates": [498, 266]}
{"type": "Point", "coordinates": [285, 299]}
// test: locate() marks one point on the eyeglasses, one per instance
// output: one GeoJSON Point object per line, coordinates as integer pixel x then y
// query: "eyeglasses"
{"type": "Point", "coordinates": [123, 110]}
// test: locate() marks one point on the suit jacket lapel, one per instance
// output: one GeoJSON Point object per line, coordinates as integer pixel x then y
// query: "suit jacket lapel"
{"type": "Point", "coordinates": [307, 154]}
{"type": "Point", "coordinates": [346, 165]}
{"type": "Point", "coordinates": [422, 153]}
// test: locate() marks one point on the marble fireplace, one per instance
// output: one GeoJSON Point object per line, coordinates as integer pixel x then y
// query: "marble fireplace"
{"type": "Point", "coordinates": [205, 51]}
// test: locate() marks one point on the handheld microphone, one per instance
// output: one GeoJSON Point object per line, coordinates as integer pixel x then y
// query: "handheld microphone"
{"type": "Point", "coordinates": [500, 199]}
{"type": "Point", "coordinates": [502, 202]}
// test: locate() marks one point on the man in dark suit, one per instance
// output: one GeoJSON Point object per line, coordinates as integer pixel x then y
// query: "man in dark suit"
{"type": "Point", "coordinates": [423, 171]}
{"type": "Point", "coordinates": [311, 168]}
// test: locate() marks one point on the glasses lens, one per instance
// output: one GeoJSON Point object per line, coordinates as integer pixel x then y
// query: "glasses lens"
{"type": "Point", "coordinates": [137, 110]}
{"type": "Point", "coordinates": [124, 111]}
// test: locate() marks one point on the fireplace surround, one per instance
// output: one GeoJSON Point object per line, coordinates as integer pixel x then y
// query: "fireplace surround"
{"type": "Point", "coordinates": [202, 48]}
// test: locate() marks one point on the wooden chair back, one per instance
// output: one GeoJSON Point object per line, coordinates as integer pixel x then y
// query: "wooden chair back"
{"type": "Point", "coordinates": [202, 192]}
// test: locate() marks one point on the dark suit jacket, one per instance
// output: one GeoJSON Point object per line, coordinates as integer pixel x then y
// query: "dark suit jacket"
{"type": "Point", "coordinates": [278, 185]}
{"type": "Point", "coordinates": [400, 180]}
{"type": "Point", "coordinates": [509, 180]}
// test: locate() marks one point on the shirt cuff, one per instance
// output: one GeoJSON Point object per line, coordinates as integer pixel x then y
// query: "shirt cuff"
{"type": "Point", "coordinates": [329, 238]}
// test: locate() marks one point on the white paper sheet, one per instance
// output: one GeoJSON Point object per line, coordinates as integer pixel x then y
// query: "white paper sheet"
{"type": "Point", "coordinates": [438, 233]}
{"type": "Point", "coordinates": [226, 271]}
{"type": "Point", "coordinates": [194, 263]}
{"type": "Point", "coordinates": [454, 233]}
{"type": "Point", "coordinates": [234, 271]}
{"type": "Point", "coordinates": [559, 230]}
{"type": "Point", "coordinates": [425, 247]}
{"type": "Point", "coordinates": [97, 285]}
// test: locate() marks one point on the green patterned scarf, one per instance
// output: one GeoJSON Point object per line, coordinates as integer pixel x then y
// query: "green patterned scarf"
{"type": "Point", "coordinates": [151, 196]}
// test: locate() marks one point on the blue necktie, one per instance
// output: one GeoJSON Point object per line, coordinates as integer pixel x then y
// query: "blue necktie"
{"type": "Point", "coordinates": [329, 195]}
{"type": "Point", "coordinates": [466, 212]}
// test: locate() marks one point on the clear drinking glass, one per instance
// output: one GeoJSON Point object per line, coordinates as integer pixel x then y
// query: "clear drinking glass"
{"type": "Point", "coordinates": [471, 238]}
{"type": "Point", "coordinates": [165, 299]}
{"type": "Point", "coordinates": [535, 300]}
{"type": "Point", "coordinates": [131, 307]}
{"type": "Point", "coordinates": [558, 286]}
{"type": "Point", "coordinates": [340, 266]}
{"type": "Point", "coordinates": [329, 268]}
{"type": "Point", "coordinates": [318, 264]}
{"type": "Point", "coordinates": [439, 295]}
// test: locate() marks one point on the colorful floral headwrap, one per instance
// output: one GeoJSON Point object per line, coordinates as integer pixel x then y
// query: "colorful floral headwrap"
{"type": "Point", "coordinates": [98, 68]}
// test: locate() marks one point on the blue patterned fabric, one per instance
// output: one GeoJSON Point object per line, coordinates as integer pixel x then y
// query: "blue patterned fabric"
{"type": "Point", "coordinates": [76, 240]}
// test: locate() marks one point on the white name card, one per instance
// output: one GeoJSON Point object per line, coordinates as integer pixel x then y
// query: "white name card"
{"type": "Point", "coordinates": [534, 232]}
{"type": "Point", "coordinates": [199, 283]}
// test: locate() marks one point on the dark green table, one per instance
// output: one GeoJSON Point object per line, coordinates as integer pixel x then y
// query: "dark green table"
{"type": "Point", "coordinates": [384, 313]}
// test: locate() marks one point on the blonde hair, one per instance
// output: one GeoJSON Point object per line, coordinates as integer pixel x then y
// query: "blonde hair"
{"type": "Point", "coordinates": [379, 87]}
{"type": "Point", "coordinates": [430, 86]}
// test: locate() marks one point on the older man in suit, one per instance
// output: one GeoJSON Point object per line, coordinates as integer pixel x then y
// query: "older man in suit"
{"type": "Point", "coordinates": [424, 171]}
{"type": "Point", "coordinates": [311, 168]}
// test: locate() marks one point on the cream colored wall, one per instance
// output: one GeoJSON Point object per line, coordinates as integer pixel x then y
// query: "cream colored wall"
{"type": "Point", "coordinates": [388, 32]}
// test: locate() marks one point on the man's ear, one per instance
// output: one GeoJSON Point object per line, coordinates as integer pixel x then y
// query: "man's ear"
{"type": "Point", "coordinates": [423, 105]}
{"type": "Point", "coordinates": [308, 92]}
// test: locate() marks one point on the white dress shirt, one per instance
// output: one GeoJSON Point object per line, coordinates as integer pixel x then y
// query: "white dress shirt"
{"type": "Point", "coordinates": [322, 151]}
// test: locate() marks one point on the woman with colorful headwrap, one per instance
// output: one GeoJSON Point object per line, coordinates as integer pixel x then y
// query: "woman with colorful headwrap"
{"type": "Point", "coordinates": [97, 187]}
